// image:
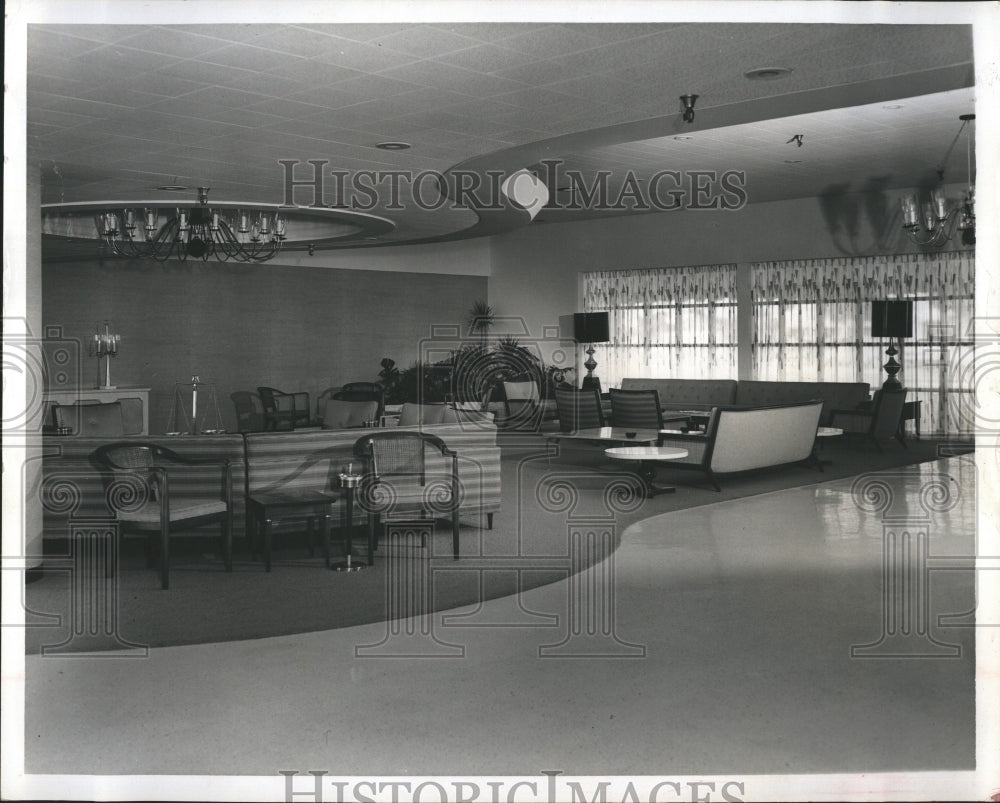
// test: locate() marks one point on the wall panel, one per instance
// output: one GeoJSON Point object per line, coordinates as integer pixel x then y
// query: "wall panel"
{"type": "Point", "coordinates": [293, 328]}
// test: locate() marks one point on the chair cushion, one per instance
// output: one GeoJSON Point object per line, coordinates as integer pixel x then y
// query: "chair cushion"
{"type": "Point", "coordinates": [180, 509]}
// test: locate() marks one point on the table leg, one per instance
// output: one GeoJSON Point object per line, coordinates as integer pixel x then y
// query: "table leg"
{"type": "Point", "coordinates": [647, 470]}
{"type": "Point", "coordinates": [349, 564]}
{"type": "Point", "coordinates": [326, 538]}
{"type": "Point", "coordinates": [267, 543]}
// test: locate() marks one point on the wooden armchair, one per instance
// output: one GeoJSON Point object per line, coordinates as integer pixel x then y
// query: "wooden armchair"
{"type": "Point", "coordinates": [284, 410]}
{"type": "Point", "coordinates": [137, 490]}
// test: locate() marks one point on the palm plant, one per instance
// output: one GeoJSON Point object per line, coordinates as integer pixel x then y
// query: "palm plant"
{"type": "Point", "coordinates": [481, 319]}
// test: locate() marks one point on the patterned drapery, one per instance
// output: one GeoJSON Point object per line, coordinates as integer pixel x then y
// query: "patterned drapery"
{"type": "Point", "coordinates": [666, 322]}
{"type": "Point", "coordinates": [812, 321]}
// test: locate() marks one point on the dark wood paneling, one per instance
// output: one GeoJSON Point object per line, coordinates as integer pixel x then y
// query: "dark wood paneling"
{"type": "Point", "coordinates": [243, 326]}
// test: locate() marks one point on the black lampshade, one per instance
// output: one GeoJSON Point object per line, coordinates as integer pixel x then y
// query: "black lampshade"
{"type": "Point", "coordinates": [892, 319]}
{"type": "Point", "coordinates": [590, 327]}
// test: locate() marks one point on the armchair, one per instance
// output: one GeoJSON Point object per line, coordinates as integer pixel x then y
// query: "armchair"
{"type": "Point", "coordinates": [137, 490]}
{"type": "Point", "coordinates": [878, 423]}
{"type": "Point", "coordinates": [579, 409]}
{"type": "Point", "coordinates": [249, 411]}
{"type": "Point", "coordinates": [284, 410]}
{"type": "Point", "coordinates": [404, 471]}
{"type": "Point", "coordinates": [522, 405]}
{"type": "Point", "coordinates": [636, 409]}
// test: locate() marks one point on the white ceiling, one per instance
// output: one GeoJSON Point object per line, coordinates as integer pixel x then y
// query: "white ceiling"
{"type": "Point", "coordinates": [115, 111]}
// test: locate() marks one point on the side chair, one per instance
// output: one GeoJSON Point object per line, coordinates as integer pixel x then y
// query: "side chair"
{"type": "Point", "coordinates": [136, 480]}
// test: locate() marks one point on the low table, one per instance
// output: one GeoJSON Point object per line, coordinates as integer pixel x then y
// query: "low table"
{"type": "Point", "coordinates": [609, 434]}
{"type": "Point", "coordinates": [266, 509]}
{"type": "Point", "coordinates": [648, 457]}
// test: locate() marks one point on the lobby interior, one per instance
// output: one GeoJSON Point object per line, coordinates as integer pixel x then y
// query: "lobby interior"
{"type": "Point", "coordinates": [743, 644]}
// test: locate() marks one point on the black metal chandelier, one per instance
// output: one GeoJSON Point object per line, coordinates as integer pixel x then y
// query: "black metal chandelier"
{"type": "Point", "coordinates": [243, 235]}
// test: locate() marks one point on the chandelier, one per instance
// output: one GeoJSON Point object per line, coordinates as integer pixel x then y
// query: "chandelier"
{"type": "Point", "coordinates": [934, 222]}
{"type": "Point", "coordinates": [200, 232]}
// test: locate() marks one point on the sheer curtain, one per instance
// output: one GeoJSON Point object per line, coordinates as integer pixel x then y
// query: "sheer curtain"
{"type": "Point", "coordinates": [812, 321]}
{"type": "Point", "coordinates": [678, 322]}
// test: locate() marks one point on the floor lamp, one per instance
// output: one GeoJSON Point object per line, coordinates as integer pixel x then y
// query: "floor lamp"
{"type": "Point", "coordinates": [590, 328]}
{"type": "Point", "coordinates": [892, 319]}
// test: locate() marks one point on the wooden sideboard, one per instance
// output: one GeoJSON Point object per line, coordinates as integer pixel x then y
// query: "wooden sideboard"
{"type": "Point", "coordinates": [134, 401]}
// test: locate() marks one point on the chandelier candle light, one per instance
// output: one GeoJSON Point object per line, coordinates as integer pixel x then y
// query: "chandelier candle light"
{"type": "Point", "coordinates": [106, 345]}
{"type": "Point", "coordinates": [931, 224]}
{"type": "Point", "coordinates": [199, 232]}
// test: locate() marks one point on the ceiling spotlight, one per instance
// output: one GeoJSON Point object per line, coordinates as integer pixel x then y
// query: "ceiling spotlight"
{"type": "Point", "coordinates": [393, 146]}
{"type": "Point", "coordinates": [172, 187]}
{"type": "Point", "coordinates": [688, 101]}
{"type": "Point", "coordinates": [767, 73]}
{"type": "Point", "coordinates": [683, 139]}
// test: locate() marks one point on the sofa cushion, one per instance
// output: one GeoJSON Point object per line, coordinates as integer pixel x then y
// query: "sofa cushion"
{"type": "Point", "coordinates": [338, 414]}
{"type": "Point", "coordinates": [683, 394]}
{"type": "Point", "coordinates": [415, 414]}
{"type": "Point", "coordinates": [835, 395]}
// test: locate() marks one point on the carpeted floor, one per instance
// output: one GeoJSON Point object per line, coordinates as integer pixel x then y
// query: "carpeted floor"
{"type": "Point", "coordinates": [528, 547]}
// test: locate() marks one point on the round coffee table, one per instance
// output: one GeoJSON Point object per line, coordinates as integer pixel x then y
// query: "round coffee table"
{"type": "Point", "coordinates": [648, 457]}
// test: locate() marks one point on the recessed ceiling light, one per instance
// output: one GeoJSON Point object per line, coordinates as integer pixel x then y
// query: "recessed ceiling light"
{"type": "Point", "coordinates": [767, 73]}
{"type": "Point", "coordinates": [393, 146]}
{"type": "Point", "coordinates": [172, 188]}
{"type": "Point", "coordinates": [893, 106]}
{"type": "Point", "coordinates": [681, 138]}
{"type": "Point", "coordinates": [793, 161]}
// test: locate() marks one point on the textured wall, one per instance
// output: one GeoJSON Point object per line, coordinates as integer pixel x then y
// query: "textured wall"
{"type": "Point", "coordinates": [293, 328]}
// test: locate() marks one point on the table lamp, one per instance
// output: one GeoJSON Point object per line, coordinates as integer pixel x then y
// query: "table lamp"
{"type": "Point", "coordinates": [892, 319]}
{"type": "Point", "coordinates": [590, 328]}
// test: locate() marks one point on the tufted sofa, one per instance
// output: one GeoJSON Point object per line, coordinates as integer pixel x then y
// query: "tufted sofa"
{"type": "Point", "coordinates": [71, 488]}
{"type": "Point", "coordinates": [704, 394]}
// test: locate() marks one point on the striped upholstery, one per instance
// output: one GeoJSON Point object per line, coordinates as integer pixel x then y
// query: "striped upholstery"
{"type": "Point", "coordinates": [579, 409]}
{"type": "Point", "coordinates": [636, 409]}
{"type": "Point", "coordinates": [313, 459]}
{"type": "Point", "coordinates": [71, 486]}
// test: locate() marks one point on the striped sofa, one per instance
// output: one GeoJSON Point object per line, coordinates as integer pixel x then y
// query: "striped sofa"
{"type": "Point", "coordinates": [71, 488]}
{"type": "Point", "coordinates": [312, 459]}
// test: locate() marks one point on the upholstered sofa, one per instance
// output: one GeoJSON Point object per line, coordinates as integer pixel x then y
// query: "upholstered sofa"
{"type": "Point", "coordinates": [704, 394]}
{"type": "Point", "coordinates": [71, 487]}
{"type": "Point", "coordinates": [741, 439]}
{"type": "Point", "coordinates": [312, 459]}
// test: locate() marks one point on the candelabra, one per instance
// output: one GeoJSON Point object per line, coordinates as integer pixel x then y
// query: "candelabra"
{"type": "Point", "coordinates": [106, 345]}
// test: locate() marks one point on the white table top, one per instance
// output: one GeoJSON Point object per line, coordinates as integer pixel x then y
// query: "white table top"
{"type": "Point", "coordinates": [616, 434]}
{"type": "Point", "coordinates": [828, 432]}
{"type": "Point", "coordinates": [646, 453]}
